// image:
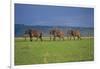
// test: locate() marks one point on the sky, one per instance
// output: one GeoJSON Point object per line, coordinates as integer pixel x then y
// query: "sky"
{"type": "Point", "coordinates": [46, 15]}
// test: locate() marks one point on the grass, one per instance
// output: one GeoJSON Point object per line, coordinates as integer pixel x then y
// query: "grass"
{"type": "Point", "coordinates": [37, 52]}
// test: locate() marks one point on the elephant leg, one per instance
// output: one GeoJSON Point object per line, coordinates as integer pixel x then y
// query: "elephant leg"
{"type": "Point", "coordinates": [50, 37]}
{"type": "Point", "coordinates": [41, 38]}
{"type": "Point", "coordinates": [25, 37]}
{"type": "Point", "coordinates": [79, 37]}
{"type": "Point", "coordinates": [30, 38]}
{"type": "Point", "coordinates": [63, 38]}
{"type": "Point", "coordinates": [74, 37]}
{"type": "Point", "coordinates": [54, 38]}
{"type": "Point", "coordinates": [59, 38]}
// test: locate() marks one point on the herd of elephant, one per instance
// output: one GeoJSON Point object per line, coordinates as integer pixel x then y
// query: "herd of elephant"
{"type": "Point", "coordinates": [54, 33]}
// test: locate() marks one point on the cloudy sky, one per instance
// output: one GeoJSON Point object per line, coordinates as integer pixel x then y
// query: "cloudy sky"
{"type": "Point", "coordinates": [53, 15]}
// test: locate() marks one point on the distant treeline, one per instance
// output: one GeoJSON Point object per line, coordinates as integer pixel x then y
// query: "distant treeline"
{"type": "Point", "coordinates": [85, 31]}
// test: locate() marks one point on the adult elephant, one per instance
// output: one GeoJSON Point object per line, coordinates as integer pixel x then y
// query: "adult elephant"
{"type": "Point", "coordinates": [56, 33]}
{"type": "Point", "coordinates": [34, 33]}
{"type": "Point", "coordinates": [73, 34]}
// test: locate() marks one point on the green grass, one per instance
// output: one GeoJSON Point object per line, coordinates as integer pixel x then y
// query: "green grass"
{"type": "Point", "coordinates": [37, 52]}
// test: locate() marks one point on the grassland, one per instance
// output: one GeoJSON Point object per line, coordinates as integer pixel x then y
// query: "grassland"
{"type": "Point", "coordinates": [37, 52]}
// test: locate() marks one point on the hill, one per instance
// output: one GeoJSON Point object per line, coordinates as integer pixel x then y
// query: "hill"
{"type": "Point", "coordinates": [20, 28]}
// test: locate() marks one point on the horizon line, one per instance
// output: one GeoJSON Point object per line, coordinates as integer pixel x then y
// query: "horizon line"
{"type": "Point", "coordinates": [57, 25]}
